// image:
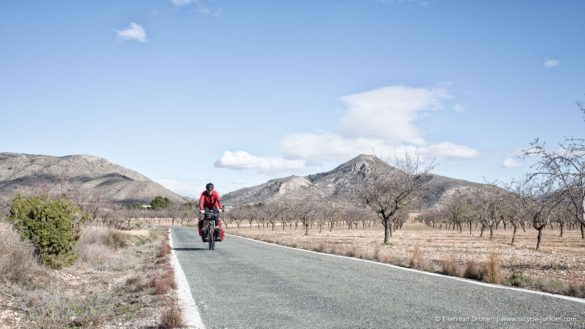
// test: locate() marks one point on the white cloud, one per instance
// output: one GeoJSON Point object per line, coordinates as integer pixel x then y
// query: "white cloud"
{"type": "Point", "coordinates": [204, 8]}
{"type": "Point", "coordinates": [134, 32]}
{"type": "Point", "coordinates": [551, 62]}
{"type": "Point", "coordinates": [450, 150]}
{"type": "Point", "coordinates": [182, 3]}
{"type": "Point", "coordinates": [241, 160]}
{"type": "Point", "coordinates": [316, 148]}
{"type": "Point", "coordinates": [389, 113]}
{"type": "Point", "coordinates": [381, 121]}
{"type": "Point", "coordinates": [511, 163]}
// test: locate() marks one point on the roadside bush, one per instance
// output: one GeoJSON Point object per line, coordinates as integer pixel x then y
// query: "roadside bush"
{"type": "Point", "coordinates": [517, 278]}
{"type": "Point", "coordinates": [416, 258]}
{"type": "Point", "coordinates": [449, 266]}
{"type": "Point", "coordinates": [160, 202]}
{"type": "Point", "coordinates": [17, 260]}
{"type": "Point", "coordinates": [51, 224]}
{"type": "Point", "coordinates": [473, 271]}
{"type": "Point", "coordinates": [493, 272]}
{"type": "Point", "coordinates": [172, 318]}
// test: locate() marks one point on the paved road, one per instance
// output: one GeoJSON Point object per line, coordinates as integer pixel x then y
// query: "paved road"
{"type": "Point", "coordinates": [245, 284]}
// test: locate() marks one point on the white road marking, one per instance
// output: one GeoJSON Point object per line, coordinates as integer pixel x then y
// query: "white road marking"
{"type": "Point", "coordinates": [191, 315]}
{"type": "Point", "coordinates": [572, 299]}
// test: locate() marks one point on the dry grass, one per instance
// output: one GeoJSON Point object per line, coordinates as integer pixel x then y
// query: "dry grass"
{"type": "Point", "coordinates": [473, 270]}
{"type": "Point", "coordinates": [172, 318]}
{"type": "Point", "coordinates": [110, 285]}
{"type": "Point", "coordinates": [17, 260]}
{"type": "Point", "coordinates": [166, 248]}
{"type": "Point", "coordinates": [493, 272]}
{"type": "Point", "coordinates": [558, 266]}
{"type": "Point", "coordinates": [416, 258]}
{"type": "Point", "coordinates": [450, 266]}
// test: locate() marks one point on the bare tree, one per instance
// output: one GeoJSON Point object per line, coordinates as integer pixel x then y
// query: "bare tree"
{"type": "Point", "coordinates": [386, 193]}
{"type": "Point", "coordinates": [457, 209]}
{"type": "Point", "coordinates": [564, 167]}
{"type": "Point", "coordinates": [302, 212]}
{"type": "Point", "coordinates": [489, 205]}
{"type": "Point", "coordinates": [562, 215]}
{"type": "Point", "coordinates": [539, 199]}
{"type": "Point", "coordinates": [513, 208]}
{"type": "Point", "coordinates": [273, 212]}
{"type": "Point", "coordinates": [237, 214]}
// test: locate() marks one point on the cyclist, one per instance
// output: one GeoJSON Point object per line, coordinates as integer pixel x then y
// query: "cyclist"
{"type": "Point", "coordinates": [210, 201]}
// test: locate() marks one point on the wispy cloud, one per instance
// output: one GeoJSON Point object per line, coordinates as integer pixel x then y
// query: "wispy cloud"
{"type": "Point", "coordinates": [389, 113]}
{"type": "Point", "coordinates": [241, 160]}
{"type": "Point", "coordinates": [382, 121]}
{"type": "Point", "coordinates": [182, 3]}
{"type": "Point", "coordinates": [202, 7]}
{"type": "Point", "coordinates": [459, 108]}
{"type": "Point", "coordinates": [511, 163]}
{"type": "Point", "coordinates": [134, 32]}
{"type": "Point", "coordinates": [551, 62]}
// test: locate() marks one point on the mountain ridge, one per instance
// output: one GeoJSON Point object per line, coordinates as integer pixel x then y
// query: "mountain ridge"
{"type": "Point", "coordinates": [82, 173]}
{"type": "Point", "coordinates": [339, 184]}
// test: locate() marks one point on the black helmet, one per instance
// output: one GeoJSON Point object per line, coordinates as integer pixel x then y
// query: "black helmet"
{"type": "Point", "coordinates": [209, 187]}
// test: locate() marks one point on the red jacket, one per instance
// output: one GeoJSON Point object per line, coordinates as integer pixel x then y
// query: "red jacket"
{"type": "Point", "coordinates": [210, 201]}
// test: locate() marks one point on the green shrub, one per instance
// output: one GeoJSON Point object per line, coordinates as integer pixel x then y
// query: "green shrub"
{"type": "Point", "coordinates": [518, 279]}
{"type": "Point", "coordinates": [160, 202]}
{"type": "Point", "coordinates": [51, 224]}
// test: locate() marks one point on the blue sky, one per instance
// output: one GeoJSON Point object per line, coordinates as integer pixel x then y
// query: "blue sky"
{"type": "Point", "coordinates": [238, 91]}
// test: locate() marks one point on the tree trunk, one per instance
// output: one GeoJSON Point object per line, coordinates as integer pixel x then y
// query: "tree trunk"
{"type": "Point", "coordinates": [387, 230]}
{"type": "Point", "coordinates": [306, 229]}
{"type": "Point", "coordinates": [562, 225]}
{"type": "Point", "coordinates": [491, 233]}
{"type": "Point", "coordinates": [582, 231]}
{"type": "Point", "coordinates": [539, 238]}
{"type": "Point", "coordinates": [514, 234]}
{"type": "Point", "coordinates": [273, 224]}
{"type": "Point", "coordinates": [481, 231]}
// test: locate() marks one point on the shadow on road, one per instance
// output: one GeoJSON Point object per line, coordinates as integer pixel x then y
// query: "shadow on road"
{"type": "Point", "coordinates": [187, 249]}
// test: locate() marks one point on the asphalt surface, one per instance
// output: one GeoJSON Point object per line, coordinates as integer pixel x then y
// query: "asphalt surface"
{"type": "Point", "coordinates": [245, 284]}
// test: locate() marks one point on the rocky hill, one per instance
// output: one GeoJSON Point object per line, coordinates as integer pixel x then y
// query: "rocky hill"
{"type": "Point", "coordinates": [339, 184]}
{"type": "Point", "coordinates": [76, 175]}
